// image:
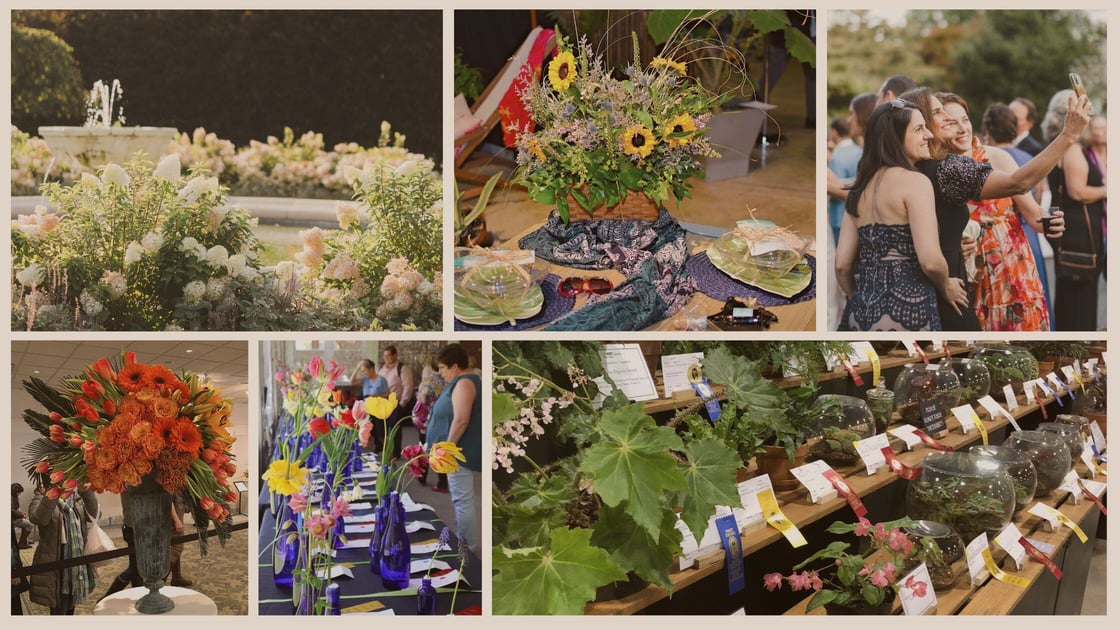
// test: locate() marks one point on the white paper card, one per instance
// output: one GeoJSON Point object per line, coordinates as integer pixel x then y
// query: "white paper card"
{"type": "Point", "coordinates": [365, 474]}
{"type": "Point", "coordinates": [356, 543]}
{"type": "Point", "coordinates": [421, 565]}
{"type": "Point", "coordinates": [1044, 547]}
{"type": "Point", "coordinates": [1070, 485]}
{"type": "Point", "coordinates": [910, 344]}
{"type": "Point", "coordinates": [388, 612]}
{"type": "Point", "coordinates": [748, 493]}
{"type": "Point", "coordinates": [626, 366]}
{"type": "Point", "coordinates": [1059, 386]}
{"type": "Point", "coordinates": [1009, 540]}
{"type": "Point", "coordinates": [916, 591]}
{"type": "Point", "coordinates": [995, 411]}
{"type": "Point", "coordinates": [1096, 487]}
{"type": "Point", "coordinates": [1067, 370]}
{"type": "Point", "coordinates": [366, 505]}
{"type": "Point", "coordinates": [415, 526]}
{"type": "Point", "coordinates": [905, 432]}
{"type": "Point", "coordinates": [1028, 391]}
{"type": "Point", "coordinates": [1104, 357]}
{"type": "Point", "coordinates": [359, 528]}
{"type": "Point", "coordinates": [674, 371]}
{"type": "Point", "coordinates": [964, 414]}
{"type": "Point", "coordinates": [1009, 396]}
{"type": "Point", "coordinates": [1047, 513]}
{"type": "Point", "coordinates": [871, 451]}
{"type": "Point", "coordinates": [860, 349]}
{"type": "Point", "coordinates": [361, 518]}
{"type": "Point", "coordinates": [690, 548]}
{"type": "Point", "coordinates": [429, 547]}
{"type": "Point", "coordinates": [1098, 436]}
{"type": "Point", "coordinates": [972, 553]}
{"type": "Point", "coordinates": [337, 570]}
{"type": "Point", "coordinates": [1087, 458]}
{"type": "Point", "coordinates": [811, 476]}
{"type": "Point", "coordinates": [447, 579]}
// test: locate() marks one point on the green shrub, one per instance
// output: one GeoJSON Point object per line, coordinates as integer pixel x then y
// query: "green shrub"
{"type": "Point", "coordinates": [46, 83]}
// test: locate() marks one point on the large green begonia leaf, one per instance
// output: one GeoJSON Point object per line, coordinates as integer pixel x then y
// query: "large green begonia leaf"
{"type": "Point", "coordinates": [709, 479]}
{"type": "Point", "coordinates": [554, 580]}
{"type": "Point", "coordinates": [633, 464]}
{"type": "Point", "coordinates": [633, 549]}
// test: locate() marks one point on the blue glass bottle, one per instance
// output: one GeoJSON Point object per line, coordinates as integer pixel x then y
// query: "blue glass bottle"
{"type": "Point", "coordinates": [381, 516]}
{"type": "Point", "coordinates": [334, 599]}
{"type": "Point", "coordinates": [285, 551]}
{"type": "Point", "coordinates": [396, 550]}
{"type": "Point", "coordinates": [426, 597]}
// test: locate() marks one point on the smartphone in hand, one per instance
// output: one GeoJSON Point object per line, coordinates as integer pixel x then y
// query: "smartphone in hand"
{"type": "Point", "coordinates": [1078, 86]}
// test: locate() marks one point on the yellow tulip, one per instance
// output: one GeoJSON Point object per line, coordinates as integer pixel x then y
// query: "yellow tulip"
{"type": "Point", "coordinates": [286, 478]}
{"type": "Point", "coordinates": [443, 455]}
{"type": "Point", "coordinates": [324, 396]}
{"type": "Point", "coordinates": [381, 408]}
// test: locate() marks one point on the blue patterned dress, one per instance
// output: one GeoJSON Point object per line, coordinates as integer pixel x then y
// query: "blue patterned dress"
{"type": "Point", "coordinates": [891, 291]}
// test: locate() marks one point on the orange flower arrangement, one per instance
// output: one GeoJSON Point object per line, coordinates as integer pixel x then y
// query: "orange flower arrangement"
{"type": "Point", "coordinates": [115, 425]}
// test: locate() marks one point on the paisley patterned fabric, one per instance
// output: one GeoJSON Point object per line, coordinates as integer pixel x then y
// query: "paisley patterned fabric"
{"type": "Point", "coordinates": [891, 291]}
{"type": "Point", "coordinates": [651, 254]}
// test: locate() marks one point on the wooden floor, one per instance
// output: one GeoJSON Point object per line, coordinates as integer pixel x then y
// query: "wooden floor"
{"type": "Point", "coordinates": [781, 190]}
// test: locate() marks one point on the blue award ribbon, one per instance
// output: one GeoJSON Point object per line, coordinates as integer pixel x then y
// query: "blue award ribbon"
{"type": "Point", "coordinates": [704, 390]}
{"type": "Point", "coordinates": [733, 552]}
{"type": "Point", "coordinates": [1052, 393]}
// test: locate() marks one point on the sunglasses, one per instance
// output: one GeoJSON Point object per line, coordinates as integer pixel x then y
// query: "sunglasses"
{"type": "Point", "coordinates": [899, 103]}
{"type": "Point", "coordinates": [570, 287]}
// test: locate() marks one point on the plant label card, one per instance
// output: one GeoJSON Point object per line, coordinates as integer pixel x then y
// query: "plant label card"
{"type": "Point", "coordinates": [791, 365]}
{"type": "Point", "coordinates": [871, 451]}
{"type": "Point", "coordinates": [1009, 396]}
{"type": "Point", "coordinates": [447, 579]}
{"type": "Point", "coordinates": [429, 546]}
{"type": "Point", "coordinates": [1009, 539]}
{"type": "Point", "coordinates": [1070, 484]}
{"type": "Point", "coordinates": [933, 418]}
{"type": "Point", "coordinates": [1071, 376]}
{"type": "Point", "coordinates": [811, 476]}
{"type": "Point", "coordinates": [915, 590]}
{"type": "Point", "coordinates": [674, 371]}
{"type": "Point", "coordinates": [627, 367]}
{"type": "Point", "coordinates": [361, 518]}
{"type": "Point", "coordinates": [748, 521]}
{"type": "Point", "coordinates": [416, 526]}
{"type": "Point", "coordinates": [913, 348]}
{"type": "Point", "coordinates": [361, 506]}
{"type": "Point", "coordinates": [1028, 391]}
{"type": "Point", "coordinates": [1046, 513]}
{"type": "Point", "coordinates": [905, 432]}
{"type": "Point", "coordinates": [965, 414]}
{"type": "Point", "coordinates": [359, 528]}
{"type": "Point", "coordinates": [690, 549]}
{"type": "Point", "coordinates": [356, 543]}
{"type": "Point", "coordinates": [995, 411]}
{"type": "Point", "coordinates": [1059, 386]}
{"type": "Point", "coordinates": [421, 565]}
{"type": "Point", "coordinates": [1097, 488]}
{"type": "Point", "coordinates": [1104, 357]}
{"type": "Point", "coordinates": [1098, 436]}
{"type": "Point", "coordinates": [749, 489]}
{"type": "Point", "coordinates": [1087, 459]}
{"type": "Point", "coordinates": [337, 570]}
{"type": "Point", "coordinates": [974, 555]}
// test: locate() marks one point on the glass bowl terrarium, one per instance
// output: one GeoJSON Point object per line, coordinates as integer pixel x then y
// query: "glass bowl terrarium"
{"type": "Point", "coordinates": [761, 253]}
{"type": "Point", "coordinates": [1019, 466]}
{"type": "Point", "coordinates": [1048, 453]}
{"type": "Point", "coordinates": [974, 378]}
{"type": "Point", "coordinates": [919, 383]}
{"type": "Point", "coordinates": [839, 421]}
{"type": "Point", "coordinates": [970, 493]}
{"type": "Point", "coordinates": [1070, 434]}
{"type": "Point", "coordinates": [940, 547]}
{"type": "Point", "coordinates": [1007, 365]}
{"type": "Point", "coordinates": [881, 402]}
{"type": "Point", "coordinates": [494, 286]}
{"type": "Point", "coordinates": [1081, 422]}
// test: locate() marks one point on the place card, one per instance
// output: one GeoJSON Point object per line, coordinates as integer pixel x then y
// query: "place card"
{"type": "Point", "coordinates": [359, 528]}
{"type": "Point", "coordinates": [1028, 391]}
{"type": "Point", "coordinates": [1059, 385]}
{"type": "Point", "coordinates": [368, 607]}
{"type": "Point", "coordinates": [1072, 377]}
{"type": "Point", "coordinates": [429, 546]}
{"type": "Point", "coordinates": [414, 526]}
{"type": "Point", "coordinates": [1009, 539]}
{"type": "Point", "coordinates": [1087, 459]}
{"type": "Point", "coordinates": [674, 371]}
{"type": "Point", "coordinates": [995, 411]}
{"type": "Point", "coordinates": [360, 542]}
{"type": "Point", "coordinates": [1009, 396]}
{"type": "Point", "coordinates": [974, 555]}
{"type": "Point", "coordinates": [870, 450]}
{"type": "Point", "coordinates": [915, 589]}
{"type": "Point", "coordinates": [1070, 484]}
{"type": "Point", "coordinates": [913, 348]}
{"type": "Point", "coordinates": [627, 367]}
{"type": "Point", "coordinates": [361, 518]}
{"type": "Point", "coordinates": [365, 505]}
{"type": "Point", "coordinates": [970, 421]}
{"type": "Point", "coordinates": [421, 565]}
{"type": "Point", "coordinates": [811, 476]}
{"type": "Point", "coordinates": [1098, 436]}
{"type": "Point", "coordinates": [905, 432]}
{"type": "Point", "coordinates": [1041, 556]}
{"type": "Point", "coordinates": [1046, 513]}
{"type": "Point", "coordinates": [337, 570]}
{"type": "Point", "coordinates": [447, 579]}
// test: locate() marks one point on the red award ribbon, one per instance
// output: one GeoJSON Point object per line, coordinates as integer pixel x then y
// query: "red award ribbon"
{"type": "Point", "coordinates": [921, 353]}
{"type": "Point", "coordinates": [930, 442]}
{"type": "Point", "coordinates": [1044, 559]}
{"type": "Point", "coordinates": [851, 370]}
{"type": "Point", "coordinates": [1092, 497]}
{"type": "Point", "coordinates": [846, 491]}
{"type": "Point", "coordinates": [945, 349]}
{"type": "Point", "coordinates": [896, 465]}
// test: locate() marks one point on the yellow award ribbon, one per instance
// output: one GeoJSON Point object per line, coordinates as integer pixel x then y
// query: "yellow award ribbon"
{"type": "Point", "coordinates": [1000, 574]}
{"type": "Point", "coordinates": [980, 427]}
{"type": "Point", "coordinates": [1074, 526]}
{"type": "Point", "coordinates": [874, 358]}
{"type": "Point", "coordinates": [1077, 377]}
{"type": "Point", "coordinates": [774, 516]}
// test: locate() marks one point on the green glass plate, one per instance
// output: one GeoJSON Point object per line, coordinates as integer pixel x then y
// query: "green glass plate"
{"type": "Point", "coordinates": [786, 284]}
{"type": "Point", "coordinates": [472, 307]}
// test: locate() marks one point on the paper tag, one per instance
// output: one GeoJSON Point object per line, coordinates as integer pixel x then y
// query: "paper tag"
{"type": "Point", "coordinates": [1000, 574]}
{"type": "Point", "coordinates": [337, 570]}
{"type": "Point", "coordinates": [1059, 385]}
{"type": "Point", "coordinates": [870, 450]}
{"type": "Point", "coordinates": [626, 365]}
{"type": "Point", "coordinates": [897, 467]}
{"type": "Point", "coordinates": [907, 434]}
{"type": "Point", "coordinates": [811, 476]}
{"type": "Point", "coordinates": [1098, 436]}
{"type": "Point", "coordinates": [414, 526]}
{"type": "Point", "coordinates": [448, 579]}
{"type": "Point", "coordinates": [974, 555]}
{"type": "Point", "coordinates": [851, 370]}
{"type": "Point", "coordinates": [1040, 557]}
{"type": "Point", "coordinates": [1028, 391]}
{"type": "Point", "coordinates": [356, 543]}
{"type": "Point", "coordinates": [1104, 357]}
{"type": "Point", "coordinates": [847, 492]}
{"type": "Point", "coordinates": [421, 565]}
{"type": "Point", "coordinates": [733, 553]}
{"type": "Point", "coordinates": [1049, 392]}
{"type": "Point", "coordinates": [915, 349]}
{"type": "Point", "coordinates": [359, 528]}
{"type": "Point", "coordinates": [1072, 377]}
{"type": "Point", "coordinates": [1094, 497]}
{"type": "Point", "coordinates": [1070, 484]}
{"type": "Point", "coordinates": [865, 349]}
{"type": "Point", "coordinates": [915, 590]}
{"type": "Point", "coordinates": [366, 607]}
{"type": "Point", "coordinates": [1087, 459]}
{"type": "Point", "coordinates": [774, 516]}
{"type": "Point", "coordinates": [1009, 539]}
{"type": "Point", "coordinates": [995, 411]}
{"type": "Point", "coordinates": [365, 505]}
{"type": "Point", "coordinates": [970, 421]}
{"type": "Point", "coordinates": [675, 371]}
{"type": "Point", "coordinates": [748, 495]}
{"type": "Point", "coordinates": [690, 548]}
{"type": "Point", "coordinates": [1046, 513]}
{"type": "Point", "coordinates": [354, 519]}
{"type": "Point", "coordinates": [1068, 522]}
{"type": "Point", "coordinates": [1009, 396]}
{"type": "Point", "coordinates": [429, 546]}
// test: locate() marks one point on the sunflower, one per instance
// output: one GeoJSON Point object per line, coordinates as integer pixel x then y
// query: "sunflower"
{"type": "Point", "coordinates": [562, 71]}
{"type": "Point", "coordinates": [682, 123]}
{"type": "Point", "coordinates": [661, 62]}
{"type": "Point", "coordinates": [131, 377]}
{"type": "Point", "coordinates": [637, 140]}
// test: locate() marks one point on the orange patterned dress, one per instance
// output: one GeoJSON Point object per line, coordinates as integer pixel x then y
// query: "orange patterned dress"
{"type": "Point", "coordinates": [1008, 294]}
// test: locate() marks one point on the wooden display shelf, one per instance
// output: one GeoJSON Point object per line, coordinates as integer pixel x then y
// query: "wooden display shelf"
{"type": "Point", "coordinates": [798, 508]}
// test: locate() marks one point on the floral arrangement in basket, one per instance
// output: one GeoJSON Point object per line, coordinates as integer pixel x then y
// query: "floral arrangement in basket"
{"type": "Point", "coordinates": [599, 139]}
{"type": "Point", "coordinates": [121, 421]}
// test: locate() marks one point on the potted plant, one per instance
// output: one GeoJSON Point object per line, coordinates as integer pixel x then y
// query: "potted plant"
{"type": "Point", "coordinates": [604, 143]}
{"type": "Point", "coordinates": [853, 583]}
{"type": "Point", "coordinates": [1054, 354]}
{"type": "Point", "coordinates": [470, 224]}
{"type": "Point", "coordinates": [589, 495]}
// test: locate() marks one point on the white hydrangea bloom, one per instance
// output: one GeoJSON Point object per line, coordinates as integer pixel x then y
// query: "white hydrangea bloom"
{"type": "Point", "coordinates": [114, 174]}
{"type": "Point", "coordinates": [31, 275]}
{"type": "Point", "coordinates": [194, 291]}
{"type": "Point", "coordinates": [169, 168]}
{"type": "Point", "coordinates": [217, 256]}
{"type": "Point", "coordinates": [235, 263]}
{"type": "Point", "coordinates": [90, 180]}
{"type": "Point", "coordinates": [197, 187]}
{"type": "Point", "coordinates": [285, 269]}
{"type": "Point", "coordinates": [133, 253]}
{"type": "Point", "coordinates": [115, 283]}
{"type": "Point", "coordinates": [152, 241]}
{"type": "Point", "coordinates": [347, 215]}
{"type": "Point", "coordinates": [89, 303]}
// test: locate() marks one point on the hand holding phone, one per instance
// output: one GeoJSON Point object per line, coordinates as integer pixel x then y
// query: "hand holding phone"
{"type": "Point", "coordinates": [1078, 86]}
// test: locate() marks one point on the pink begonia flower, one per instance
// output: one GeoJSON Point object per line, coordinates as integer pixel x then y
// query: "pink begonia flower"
{"type": "Point", "coordinates": [772, 581]}
{"type": "Point", "coordinates": [319, 524]}
{"type": "Point", "coordinates": [899, 542]}
{"type": "Point", "coordinates": [364, 433]}
{"type": "Point", "coordinates": [340, 508]}
{"type": "Point", "coordinates": [800, 581]}
{"type": "Point", "coordinates": [281, 376]}
{"type": "Point", "coordinates": [298, 502]}
{"type": "Point", "coordinates": [880, 531]}
{"type": "Point", "coordinates": [879, 578]}
{"type": "Point", "coordinates": [815, 582]}
{"type": "Point", "coordinates": [864, 527]}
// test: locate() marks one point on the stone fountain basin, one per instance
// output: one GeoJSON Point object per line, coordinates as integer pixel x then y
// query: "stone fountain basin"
{"type": "Point", "coordinates": [97, 146]}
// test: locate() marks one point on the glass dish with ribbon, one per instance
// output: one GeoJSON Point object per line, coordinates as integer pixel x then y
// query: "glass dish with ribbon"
{"type": "Point", "coordinates": [764, 255]}
{"type": "Point", "coordinates": [496, 286]}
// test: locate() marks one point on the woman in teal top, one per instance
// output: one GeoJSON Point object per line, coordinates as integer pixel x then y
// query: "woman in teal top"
{"type": "Point", "coordinates": [457, 417]}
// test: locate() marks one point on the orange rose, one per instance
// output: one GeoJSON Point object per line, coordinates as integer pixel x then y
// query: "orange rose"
{"type": "Point", "coordinates": [129, 475]}
{"type": "Point", "coordinates": [142, 466]}
{"type": "Point", "coordinates": [106, 436]}
{"type": "Point", "coordinates": [152, 444]}
{"type": "Point", "coordinates": [139, 430]}
{"type": "Point", "coordinates": [164, 407]}
{"type": "Point", "coordinates": [106, 459]}
{"type": "Point", "coordinates": [147, 394]}
{"type": "Point", "coordinates": [130, 405]}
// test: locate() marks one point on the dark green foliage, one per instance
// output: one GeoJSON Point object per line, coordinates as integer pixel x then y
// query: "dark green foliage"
{"type": "Point", "coordinates": [47, 86]}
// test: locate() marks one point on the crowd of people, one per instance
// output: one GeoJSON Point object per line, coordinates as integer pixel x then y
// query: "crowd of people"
{"type": "Point", "coordinates": [936, 224]}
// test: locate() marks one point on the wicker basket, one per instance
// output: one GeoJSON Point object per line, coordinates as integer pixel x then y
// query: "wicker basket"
{"type": "Point", "coordinates": [634, 206]}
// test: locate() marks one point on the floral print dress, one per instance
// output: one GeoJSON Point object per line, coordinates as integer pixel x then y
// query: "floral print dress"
{"type": "Point", "coordinates": [1008, 294]}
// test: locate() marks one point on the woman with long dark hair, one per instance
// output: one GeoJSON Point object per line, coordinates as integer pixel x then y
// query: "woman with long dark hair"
{"type": "Point", "coordinates": [890, 226]}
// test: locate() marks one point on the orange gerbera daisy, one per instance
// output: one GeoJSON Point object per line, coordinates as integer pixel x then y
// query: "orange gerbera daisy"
{"type": "Point", "coordinates": [159, 377]}
{"type": "Point", "coordinates": [187, 437]}
{"type": "Point", "coordinates": [131, 377]}
{"type": "Point", "coordinates": [165, 429]}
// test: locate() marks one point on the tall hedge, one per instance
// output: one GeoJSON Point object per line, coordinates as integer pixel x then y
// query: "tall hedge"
{"type": "Point", "coordinates": [46, 82]}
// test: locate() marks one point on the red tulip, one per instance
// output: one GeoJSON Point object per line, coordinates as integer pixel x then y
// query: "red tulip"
{"type": "Point", "coordinates": [319, 426]}
{"type": "Point", "coordinates": [55, 417]}
{"type": "Point", "coordinates": [54, 492]}
{"type": "Point", "coordinates": [42, 467]}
